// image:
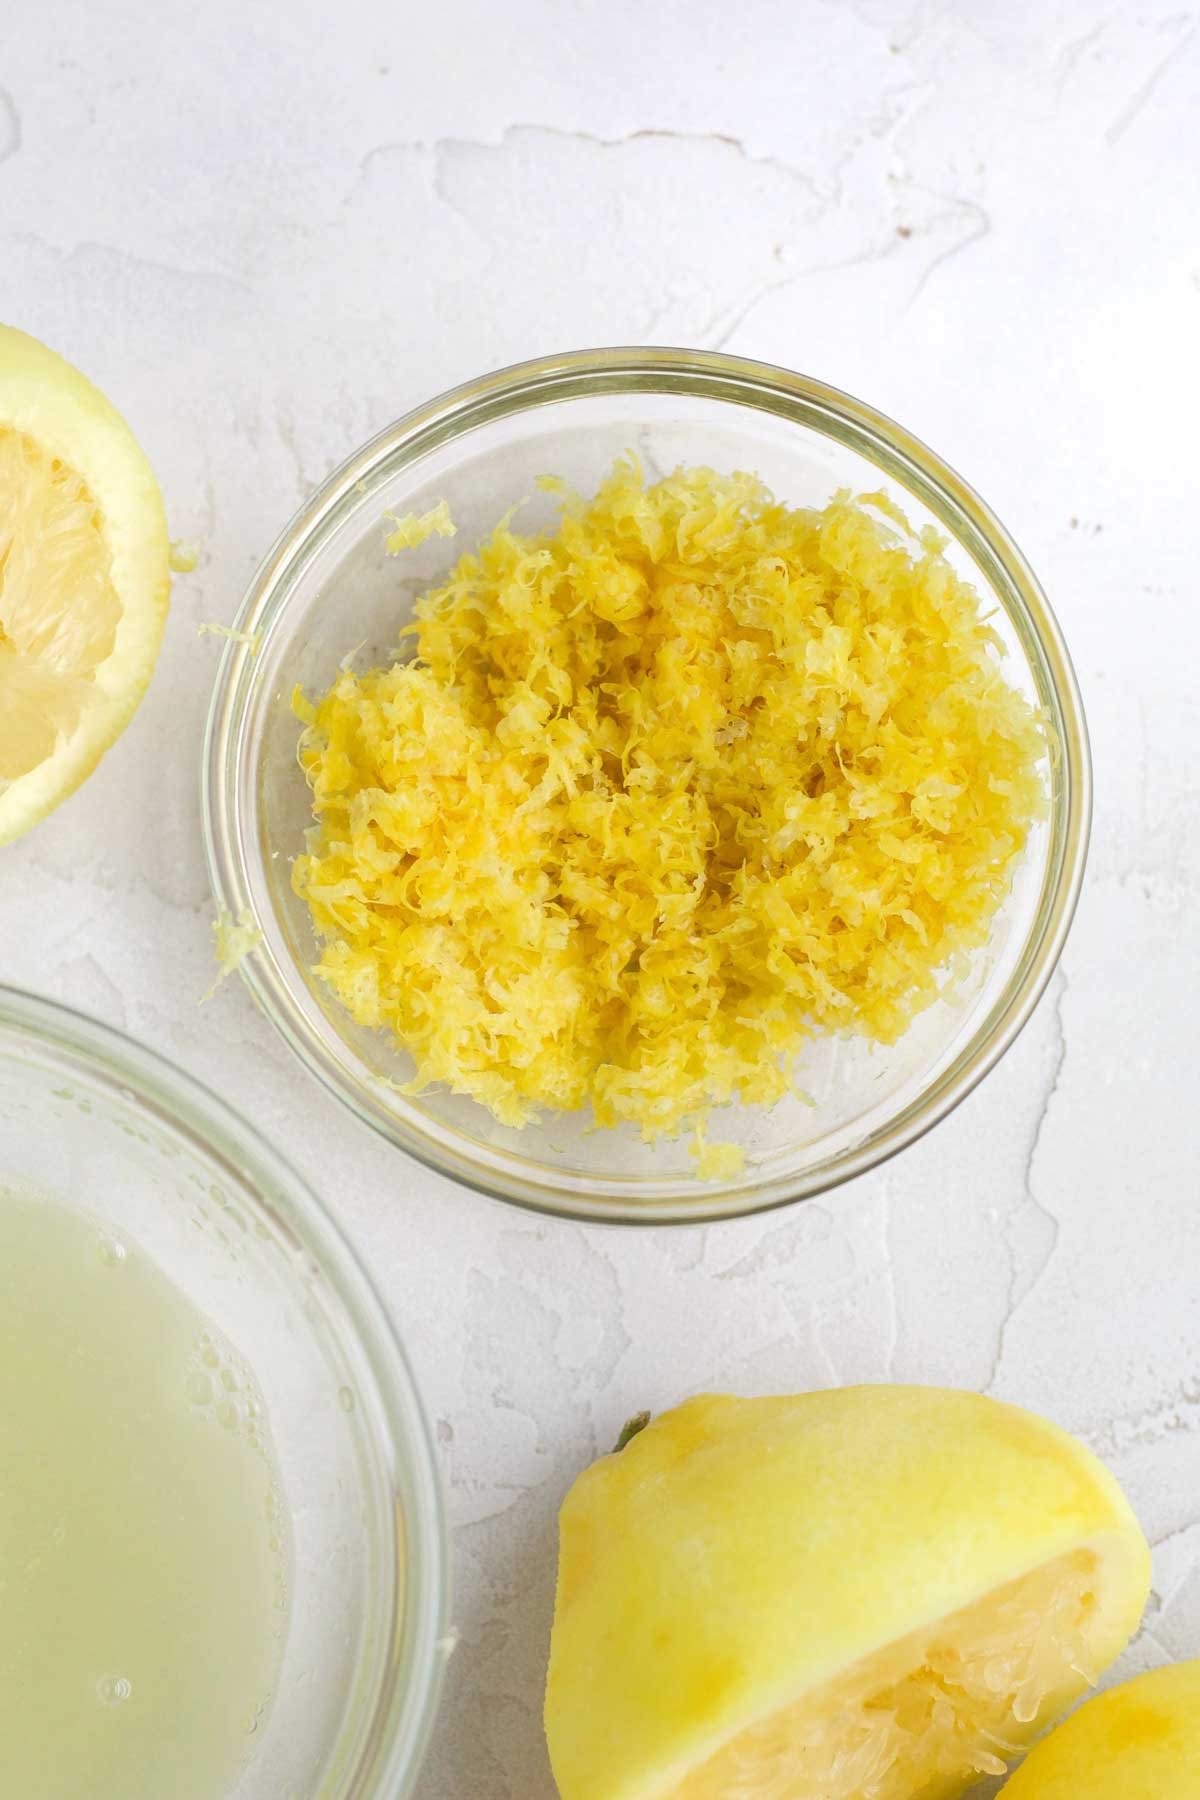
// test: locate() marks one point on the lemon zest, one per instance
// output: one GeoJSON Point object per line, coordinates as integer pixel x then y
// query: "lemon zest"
{"type": "Point", "coordinates": [252, 640]}
{"type": "Point", "coordinates": [233, 942]}
{"type": "Point", "coordinates": [663, 791]}
{"type": "Point", "coordinates": [716, 1162]}
{"type": "Point", "coordinates": [414, 528]}
{"type": "Point", "coordinates": [182, 556]}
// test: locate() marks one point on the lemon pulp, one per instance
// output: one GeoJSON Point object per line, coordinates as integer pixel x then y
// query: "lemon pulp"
{"type": "Point", "coordinates": [58, 609]}
{"type": "Point", "coordinates": [84, 579]}
{"type": "Point", "coordinates": [143, 1565]}
{"type": "Point", "coordinates": [925, 1716]}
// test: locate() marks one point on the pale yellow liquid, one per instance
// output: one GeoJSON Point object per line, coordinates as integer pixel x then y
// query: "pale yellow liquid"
{"type": "Point", "coordinates": [143, 1563]}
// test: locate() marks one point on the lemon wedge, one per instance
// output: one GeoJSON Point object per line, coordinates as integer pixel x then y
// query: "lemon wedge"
{"type": "Point", "coordinates": [83, 578]}
{"type": "Point", "coordinates": [1137, 1742]}
{"type": "Point", "coordinates": [875, 1593]}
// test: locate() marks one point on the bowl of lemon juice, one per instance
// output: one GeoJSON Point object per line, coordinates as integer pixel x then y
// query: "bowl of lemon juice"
{"type": "Point", "coordinates": [222, 1557]}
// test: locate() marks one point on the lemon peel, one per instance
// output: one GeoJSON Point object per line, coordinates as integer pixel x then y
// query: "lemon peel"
{"type": "Point", "coordinates": [251, 640]}
{"type": "Point", "coordinates": [665, 790]}
{"type": "Point", "coordinates": [184, 555]}
{"type": "Point", "coordinates": [233, 940]}
{"type": "Point", "coordinates": [1139, 1741]}
{"type": "Point", "coordinates": [414, 528]}
{"type": "Point", "coordinates": [715, 1162]}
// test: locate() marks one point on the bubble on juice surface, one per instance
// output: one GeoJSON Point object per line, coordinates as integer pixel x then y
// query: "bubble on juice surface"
{"type": "Point", "coordinates": [346, 1399]}
{"type": "Point", "coordinates": [112, 1252]}
{"type": "Point", "coordinates": [254, 1717]}
{"type": "Point", "coordinates": [114, 1689]}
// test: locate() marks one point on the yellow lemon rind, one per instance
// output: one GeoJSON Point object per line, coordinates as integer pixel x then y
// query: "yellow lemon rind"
{"type": "Point", "coordinates": [1139, 1741]}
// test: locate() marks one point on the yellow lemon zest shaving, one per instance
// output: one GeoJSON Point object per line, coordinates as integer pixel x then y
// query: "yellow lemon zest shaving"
{"type": "Point", "coordinates": [233, 942]}
{"type": "Point", "coordinates": [663, 791]}
{"type": "Point", "coordinates": [414, 528]}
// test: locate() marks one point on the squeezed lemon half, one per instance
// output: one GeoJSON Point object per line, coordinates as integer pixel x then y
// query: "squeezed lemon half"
{"type": "Point", "coordinates": [1140, 1741]}
{"type": "Point", "coordinates": [876, 1593]}
{"type": "Point", "coordinates": [83, 578]}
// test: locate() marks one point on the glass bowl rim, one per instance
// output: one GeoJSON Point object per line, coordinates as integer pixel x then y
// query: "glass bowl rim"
{"type": "Point", "coordinates": [794, 398]}
{"type": "Point", "coordinates": [402, 1716]}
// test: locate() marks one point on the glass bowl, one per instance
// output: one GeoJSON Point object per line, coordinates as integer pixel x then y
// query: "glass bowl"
{"type": "Point", "coordinates": [88, 1117]}
{"type": "Point", "coordinates": [328, 593]}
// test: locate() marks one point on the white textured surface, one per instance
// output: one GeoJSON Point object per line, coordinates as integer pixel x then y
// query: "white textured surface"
{"type": "Point", "coordinates": [267, 231]}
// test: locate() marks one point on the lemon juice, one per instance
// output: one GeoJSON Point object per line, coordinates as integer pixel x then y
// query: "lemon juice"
{"type": "Point", "coordinates": [143, 1550]}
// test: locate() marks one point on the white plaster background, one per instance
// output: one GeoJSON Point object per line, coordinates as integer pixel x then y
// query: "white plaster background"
{"type": "Point", "coordinates": [266, 231]}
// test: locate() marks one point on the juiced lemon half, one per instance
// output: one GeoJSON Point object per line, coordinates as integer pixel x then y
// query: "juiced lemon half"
{"type": "Point", "coordinates": [1137, 1742]}
{"type": "Point", "coordinates": [876, 1593]}
{"type": "Point", "coordinates": [83, 578]}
